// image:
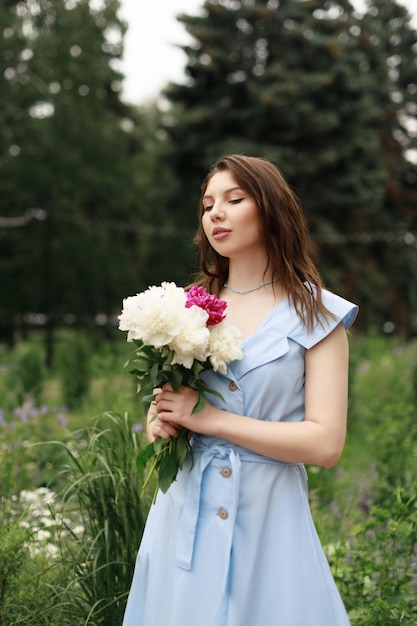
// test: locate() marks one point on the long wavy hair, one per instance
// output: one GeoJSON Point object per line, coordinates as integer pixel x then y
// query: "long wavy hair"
{"type": "Point", "coordinates": [284, 234]}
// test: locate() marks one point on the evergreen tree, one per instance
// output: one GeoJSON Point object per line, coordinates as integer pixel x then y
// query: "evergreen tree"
{"type": "Point", "coordinates": [294, 81]}
{"type": "Point", "coordinates": [66, 149]}
{"type": "Point", "coordinates": [390, 43]}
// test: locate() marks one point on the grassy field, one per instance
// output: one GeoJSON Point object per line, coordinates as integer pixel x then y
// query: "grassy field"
{"type": "Point", "coordinates": [71, 515]}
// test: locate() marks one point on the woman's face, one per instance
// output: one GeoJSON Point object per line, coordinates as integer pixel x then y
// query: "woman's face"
{"type": "Point", "coordinates": [230, 217]}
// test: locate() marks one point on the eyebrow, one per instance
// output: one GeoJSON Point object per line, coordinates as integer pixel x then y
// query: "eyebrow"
{"type": "Point", "coordinates": [226, 192]}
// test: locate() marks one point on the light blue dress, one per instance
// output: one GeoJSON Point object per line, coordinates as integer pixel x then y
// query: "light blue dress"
{"type": "Point", "coordinates": [232, 542]}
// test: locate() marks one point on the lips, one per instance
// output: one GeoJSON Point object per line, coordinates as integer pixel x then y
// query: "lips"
{"type": "Point", "coordinates": [219, 233]}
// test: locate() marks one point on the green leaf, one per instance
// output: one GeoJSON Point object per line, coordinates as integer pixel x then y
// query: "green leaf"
{"type": "Point", "coordinates": [141, 363]}
{"type": "Point", "coordinates": [153, 374]}
{"type": "Point", "coordinates": [144, 456]}
{"type": "Point", "coordinates": [149, 398]}
{"type": "Point", "coordinates": [176, 378]}
{"type": "Point", "coordinates": [182, 446]}
{"type": "Point", "coordinates": [151, 352]}
{"type": "Point", "coordinates": [215, 393]}
{"type": "Point", "coordinates": [160, 445]}
{"type": "Point", "coordinates": [168, 470]}
{"type": "Point", "coordinates": [200, 403]}
{"type": "Point", "coordinates": [197, 368]}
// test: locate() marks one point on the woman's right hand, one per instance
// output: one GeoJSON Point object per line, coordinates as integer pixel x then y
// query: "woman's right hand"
{"type": "Point", "coordinates": [157, 429]}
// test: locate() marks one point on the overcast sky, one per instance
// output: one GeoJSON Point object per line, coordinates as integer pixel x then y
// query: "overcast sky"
{"type": "Point", "coordinates": [151, 58]}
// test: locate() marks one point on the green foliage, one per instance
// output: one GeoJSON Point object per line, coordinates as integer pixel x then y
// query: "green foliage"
{"type": "Point", "coordinates": [104, 491]}
{"type": "Point", "coordinates": [23, 465]}
{"type": "Point", "coordinates": [370, 533]}
{"type": "Point", "coordinates": [75, 545]}
{"type": "Point", "coordinates": [376, 567]}
{"type": "Point", "coordinates": [66, 148]}
{"type": "Point", "coordinates": [27, 371]}
{"type": "Point", "coordinates": [13, 554]}
{"type": "Point", "coordinates": [75, 368]}
{"type": "Point", "coordinates": [26, 594]}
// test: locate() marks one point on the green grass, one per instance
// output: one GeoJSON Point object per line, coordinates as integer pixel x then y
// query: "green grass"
{"type": "Point", "coordinates": [365, 508]}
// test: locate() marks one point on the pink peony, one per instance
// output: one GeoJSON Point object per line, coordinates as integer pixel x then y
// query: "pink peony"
{"type": "Point", "coordinates": [198, 296]}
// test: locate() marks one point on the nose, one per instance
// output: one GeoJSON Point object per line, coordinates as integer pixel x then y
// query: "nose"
{"type": "Point", "coordinates": [217, 211]}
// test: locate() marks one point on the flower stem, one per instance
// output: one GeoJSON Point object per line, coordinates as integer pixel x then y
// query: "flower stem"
{"type": "Point", "coordinates": [148, 477]}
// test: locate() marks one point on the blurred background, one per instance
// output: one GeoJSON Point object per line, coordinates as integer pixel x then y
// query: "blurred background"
{"type": "Point", "coordinates": [98, 194]}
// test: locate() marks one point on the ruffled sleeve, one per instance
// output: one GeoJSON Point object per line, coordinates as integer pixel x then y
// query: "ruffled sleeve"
{"type": "Point", "coordinates": [342, 310]}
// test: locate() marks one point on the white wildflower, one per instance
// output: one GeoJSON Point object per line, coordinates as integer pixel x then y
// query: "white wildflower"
{"type": "Point", "coordinates": [42, 535]}
{"type": "Point", "coordinates": [25, 524]}
{"type": "Point", "coordinates": [78, 530]}
{"type": "Point", "coordinates": [51, 550]}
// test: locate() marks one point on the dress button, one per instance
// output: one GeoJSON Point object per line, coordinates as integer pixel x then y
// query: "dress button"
{"type": "Point", "coordinates": [223, 514]}
{"type": "Point", "coordinates": [232, 385]}
{"type": "Point", "coordinates": [226, 472]}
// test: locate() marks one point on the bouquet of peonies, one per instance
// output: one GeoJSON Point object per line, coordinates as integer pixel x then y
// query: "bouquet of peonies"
{"type": "Point", "coordinates": [178, 334]}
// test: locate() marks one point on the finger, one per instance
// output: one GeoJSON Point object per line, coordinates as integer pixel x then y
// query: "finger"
{"type": "Point", "coordinates": [166, 404]}
{"type": "Point", "coordinates": [164, 430]}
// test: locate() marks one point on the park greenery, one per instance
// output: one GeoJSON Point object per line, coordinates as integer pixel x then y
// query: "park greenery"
{"type": "Point", "coordinates": [72, 510]}
{"type": "Point", "coordinates": [98, 200]}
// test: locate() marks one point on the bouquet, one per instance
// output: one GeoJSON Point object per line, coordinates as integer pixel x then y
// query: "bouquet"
{"type": "Point", "coordinates": [177, 335]}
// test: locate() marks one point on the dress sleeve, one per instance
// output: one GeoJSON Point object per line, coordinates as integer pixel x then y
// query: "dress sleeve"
{"type": "Point", "coordinates": [342, 310]}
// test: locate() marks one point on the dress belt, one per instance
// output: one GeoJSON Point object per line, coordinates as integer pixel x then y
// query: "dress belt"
{"type": "Point", "coordinates": [190, 512]}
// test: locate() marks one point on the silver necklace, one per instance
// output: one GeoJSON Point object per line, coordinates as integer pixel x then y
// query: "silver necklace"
{"type": "Point", "coordinates": [262, 284]}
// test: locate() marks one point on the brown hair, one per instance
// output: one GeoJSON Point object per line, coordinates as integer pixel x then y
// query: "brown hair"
{"type": "Point", "coordinates": [284, 232]}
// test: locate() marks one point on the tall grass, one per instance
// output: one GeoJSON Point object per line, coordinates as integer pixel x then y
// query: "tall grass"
{"type": "Point", "coordinates": [103, 493]}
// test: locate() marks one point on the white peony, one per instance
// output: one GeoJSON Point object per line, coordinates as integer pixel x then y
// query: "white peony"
{"type": "Point", "coordinates": [161, 318]}
{"type": "Point", "coordinates": [192, 340]}
{"type": "Point", "coordinates": [155, 315]}
{"type": "Point", "coordinates": [225, 345]}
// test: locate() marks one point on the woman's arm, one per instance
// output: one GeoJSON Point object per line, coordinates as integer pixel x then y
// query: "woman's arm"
{"type": "Point", "coordinates": [319, 439]}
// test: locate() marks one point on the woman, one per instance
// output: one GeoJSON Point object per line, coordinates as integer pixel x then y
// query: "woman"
{"type": "Point", "coordinates": [232, 542]}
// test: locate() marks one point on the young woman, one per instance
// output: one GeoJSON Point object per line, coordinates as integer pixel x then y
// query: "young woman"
{"type": "Point", "coordinates": [232, 542]}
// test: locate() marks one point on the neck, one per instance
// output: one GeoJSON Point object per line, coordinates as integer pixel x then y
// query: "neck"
{"type": "Point", "coordinates": [248, 270]}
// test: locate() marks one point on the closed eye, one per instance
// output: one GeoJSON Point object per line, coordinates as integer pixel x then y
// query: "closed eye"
{"type": "Point", "coordinates": [236, 200]}
{"type": "Point", "coordinates": [208, 207]}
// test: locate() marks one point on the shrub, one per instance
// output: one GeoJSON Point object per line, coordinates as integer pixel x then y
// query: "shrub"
{"type": "Point", "coordinates": [26, 595]}
{"type": "Point", "coordinates": [27, 370]}
{"type": "Point", "coordinates": [376, 567]}
{"type": "Point", "coordinates": [75, 369]}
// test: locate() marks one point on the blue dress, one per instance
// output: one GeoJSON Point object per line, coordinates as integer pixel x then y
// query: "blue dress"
{"type": "Point", "coordinates": [232, 542]}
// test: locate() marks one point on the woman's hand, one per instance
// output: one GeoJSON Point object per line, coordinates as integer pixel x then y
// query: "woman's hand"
{"type": "Point", "coordinates": [174, 410]}
{"type": "Point", "coordinates": [162, 429]}
{"type": "Point", "coordinates": [171, 409]}
{"type": "Point", "coordinates": [155, 428]}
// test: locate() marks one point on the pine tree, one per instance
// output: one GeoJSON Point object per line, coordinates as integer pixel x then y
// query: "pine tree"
{"type": "Point", "coordinates": [390, 43]}
{"type": "Point", "coordinates": [66, 149]}
{"type": "Point", "coordinates": [294, 81]}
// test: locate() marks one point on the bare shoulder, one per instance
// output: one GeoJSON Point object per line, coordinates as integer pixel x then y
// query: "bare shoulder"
{"type": "Point", "coordinates": [330, 351]}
